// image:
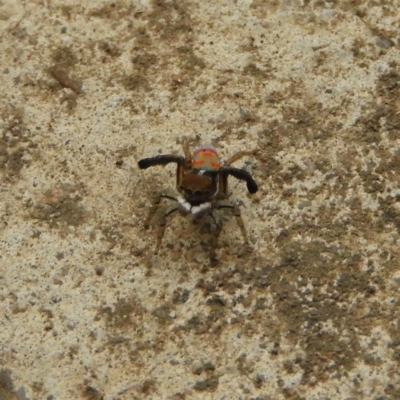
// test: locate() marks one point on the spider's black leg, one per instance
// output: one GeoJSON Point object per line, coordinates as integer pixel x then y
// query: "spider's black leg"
{"type": "Point", "coordinates": [165, 159]}
{"type": "Point", "coordinates": [238, 173]}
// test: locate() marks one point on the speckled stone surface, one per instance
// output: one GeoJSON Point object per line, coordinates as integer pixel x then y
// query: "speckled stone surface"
{"type": "Point", "coordinates": [88, 88]}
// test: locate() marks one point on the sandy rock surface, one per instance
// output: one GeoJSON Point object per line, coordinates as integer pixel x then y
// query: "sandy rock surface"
{"type": "Point", "coordinates": [88, 88]}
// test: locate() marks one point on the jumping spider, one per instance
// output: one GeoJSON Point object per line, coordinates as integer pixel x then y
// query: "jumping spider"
{"type": "Point", "coordinates": [202, 182]}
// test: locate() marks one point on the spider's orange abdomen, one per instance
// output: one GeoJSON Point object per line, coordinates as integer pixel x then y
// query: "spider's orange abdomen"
{"type": "Point", "coordinates": [206, 157]}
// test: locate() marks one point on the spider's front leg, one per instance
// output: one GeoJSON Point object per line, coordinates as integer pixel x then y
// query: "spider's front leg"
{"type": "Point", "coordinates": [155, 203]}
{"type": "Point", "coordinates": [162, 224]}
{"type": "Point", "coordinates": [218, 223]}
{"type": "Point", "coordinates": [238, 215]}
{"type": "Point", "coordinates": [215, 236]}
{"type": "Point", "coordinates": [236, 212]}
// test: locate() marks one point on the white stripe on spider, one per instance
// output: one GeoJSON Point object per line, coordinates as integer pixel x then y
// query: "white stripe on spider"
{"type": "Point", "coordinates": [195, 210]}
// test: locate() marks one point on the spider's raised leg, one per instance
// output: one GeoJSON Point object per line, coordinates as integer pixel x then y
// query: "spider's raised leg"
{"type": "Point", "coordinates": [238, 173]}
{"type": "Point", "coordinates": [162, 224]}
{"type": "Point", "coordinates": [165, 159]}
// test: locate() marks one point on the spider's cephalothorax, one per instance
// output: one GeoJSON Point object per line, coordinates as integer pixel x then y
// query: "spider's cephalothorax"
{"type": "Point", "coordinates": [202, 182]}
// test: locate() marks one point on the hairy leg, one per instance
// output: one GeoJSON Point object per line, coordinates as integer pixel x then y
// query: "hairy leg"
{"type": "Point", "coordinates": [236, 212]}
{"type": "Point", "coordinates": [214, 239]}
{"type": "Point", "coordinates": [162, 224]}
{"type": "Point", "coordinates": [186, 150]}
{"type": "Point", "coordinates": [238, 156]}
{"type": "Point", "coordinates": [155, 203]}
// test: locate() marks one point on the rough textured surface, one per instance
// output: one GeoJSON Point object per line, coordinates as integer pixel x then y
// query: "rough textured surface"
{"type": "Point", "coordinates": [89, 88]}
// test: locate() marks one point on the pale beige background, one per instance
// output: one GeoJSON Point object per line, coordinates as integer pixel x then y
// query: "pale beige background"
{"type": "Point", "coordinates": [88, 88]}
